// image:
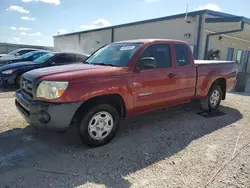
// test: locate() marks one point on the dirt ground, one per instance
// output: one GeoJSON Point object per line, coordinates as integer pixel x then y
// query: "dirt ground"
{"type": "Point", "coordinates": [174, 148]}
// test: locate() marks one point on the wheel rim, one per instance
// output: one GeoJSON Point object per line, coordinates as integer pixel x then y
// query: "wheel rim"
{"type": "Point", "coordinates": [100, 125]}
{"type": "Point", "coordinates": [215, 98]}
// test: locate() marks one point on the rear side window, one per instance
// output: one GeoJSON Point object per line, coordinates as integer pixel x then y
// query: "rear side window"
{"type": "Point", "coordinates": [64, 58]}
{"type": "Point", "coordinates": [80, 58]}
{"type": "Point", "coordinates": [161, 53]}
{"type": "Point", "coordinates": [182, 55]}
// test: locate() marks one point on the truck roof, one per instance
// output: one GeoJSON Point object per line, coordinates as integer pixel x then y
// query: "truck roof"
{"type": "Point", "coordinates": [150, 40]}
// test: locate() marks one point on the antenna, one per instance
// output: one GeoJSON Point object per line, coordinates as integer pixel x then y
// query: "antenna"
{"type": "Point", "coordinates": [186, 17]}
{"type": "Point", "coordinates": [186, 12]}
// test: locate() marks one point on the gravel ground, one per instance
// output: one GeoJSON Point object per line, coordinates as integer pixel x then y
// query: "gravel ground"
{"type": "Point", "coordinates": [168, 148]}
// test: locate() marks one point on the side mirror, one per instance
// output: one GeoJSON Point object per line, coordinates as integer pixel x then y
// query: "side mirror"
{"type": "Point", "coordinates": [146, 63]}
{"type": "Point", "coordinates": [16, 54]}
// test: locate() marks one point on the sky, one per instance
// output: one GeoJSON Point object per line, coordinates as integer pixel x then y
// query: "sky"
{"type": "Point", "coordinates": [37, 21]}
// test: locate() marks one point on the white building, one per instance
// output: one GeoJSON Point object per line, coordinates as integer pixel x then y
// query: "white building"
{"type": "Point", "coordinates": [204, 30]}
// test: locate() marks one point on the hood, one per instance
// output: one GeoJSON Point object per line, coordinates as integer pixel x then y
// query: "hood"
{"type": "Point", "coordinates": [17, 65]}
{"type": "Point", "coordinates": [73, 72]}
{"type": "Point", "coordinates": [6, 59]}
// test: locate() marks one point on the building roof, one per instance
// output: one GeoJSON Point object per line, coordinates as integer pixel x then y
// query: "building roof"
{"type": "Point", "coordinates": [228, 19]}
{"type": "Point", "coordinates": [194, 13]}
{"type": "Point", "coordinates": [149, 40]}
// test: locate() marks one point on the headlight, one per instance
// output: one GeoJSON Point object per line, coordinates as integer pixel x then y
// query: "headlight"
{"type": "Point", "coordinates": [10, 71]}
{"type": "Point", "coordinates": [51, 89]}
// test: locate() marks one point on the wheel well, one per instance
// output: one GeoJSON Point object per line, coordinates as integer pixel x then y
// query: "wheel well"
{"type": "Point", "coordinates": [113, 99]}
{"type": "Point", "coordinates": [17, 76]}
{"type": "Point", "coordinates": [222, 83]}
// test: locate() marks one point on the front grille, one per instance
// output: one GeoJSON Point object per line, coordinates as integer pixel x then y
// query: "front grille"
{"type": "Point", "coordinates": [26, 86]}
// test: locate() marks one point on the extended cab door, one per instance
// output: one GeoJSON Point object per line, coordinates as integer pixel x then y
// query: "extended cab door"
{"type": "Point", "coordinates": [155, 88]}
{"type": "Point", "coordinates": [186, 73]}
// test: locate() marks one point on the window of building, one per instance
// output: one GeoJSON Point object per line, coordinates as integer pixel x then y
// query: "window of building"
{"type": "Point", "coordinates": [239, 56]}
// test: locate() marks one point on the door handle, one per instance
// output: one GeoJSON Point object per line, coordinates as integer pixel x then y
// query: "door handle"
{"type": "Point", "coordinates": [171, 75]}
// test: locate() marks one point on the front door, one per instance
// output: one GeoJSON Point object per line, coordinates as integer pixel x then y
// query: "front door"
{"type": "Point", "coordinates": [230, 54]}
{"type": "Point", "coordinates": [155, 88]}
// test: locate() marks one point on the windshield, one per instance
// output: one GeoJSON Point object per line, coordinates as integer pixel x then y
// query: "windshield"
{"type": "Point", "coordinates": [13, 52]}
{"type": "Point", "coordinates": [27, 55]}
{"type": "Point", "coordinates": [114, 54]}
{"type": "Point", "coordinates": [44, 58]}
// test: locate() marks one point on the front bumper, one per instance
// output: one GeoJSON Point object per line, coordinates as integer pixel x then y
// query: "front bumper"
{"type": "Point", "coordinates": [7, 79]}
{"type": "Point", "coordinates": [45, 115]}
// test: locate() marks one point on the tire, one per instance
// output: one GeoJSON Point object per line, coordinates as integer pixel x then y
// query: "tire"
{"type": "Point", "coordinates": [213, 99]}
{"type": "Point", "coordinates": [98, 119]}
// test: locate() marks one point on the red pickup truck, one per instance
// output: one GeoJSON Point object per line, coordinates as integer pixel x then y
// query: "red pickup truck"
{"type": "Point", "coordinates": [120, 80]}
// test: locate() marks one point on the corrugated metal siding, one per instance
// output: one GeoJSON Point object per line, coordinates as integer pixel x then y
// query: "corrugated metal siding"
{"type": "Point", "coordinates": [91, 41]}
{"type": "Point", "coordinates": [168, 29]}
{"type": "Point", "coordinates": [67, 43]}
{"type": "Point", "coordinates": [8, 47]}
{"type": "Point", "coordinates": [83, 42]}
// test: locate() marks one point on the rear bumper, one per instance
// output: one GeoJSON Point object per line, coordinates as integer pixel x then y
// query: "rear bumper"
{"type": "Point", "coordinates": [44, 115]}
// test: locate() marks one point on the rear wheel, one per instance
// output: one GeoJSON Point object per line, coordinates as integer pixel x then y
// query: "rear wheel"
{"type": "Point", "coordinates": [99, 125]}
{"type": "Point", "coordinates": [213, 99]}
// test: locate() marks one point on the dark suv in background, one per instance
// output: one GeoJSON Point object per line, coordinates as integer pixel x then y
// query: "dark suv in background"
{"type": "Point", "coordinates": [30, 56]}
{"type": "Point", "coordinates": [10, 74]}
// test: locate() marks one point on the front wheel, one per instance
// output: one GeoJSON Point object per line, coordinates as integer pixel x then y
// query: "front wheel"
{"type": "Point", "coordinates": [99, 125]}
{"type": "Point", "coordinates": [213, 99]}
{"type": "Point", "coordinates": [18, 81]}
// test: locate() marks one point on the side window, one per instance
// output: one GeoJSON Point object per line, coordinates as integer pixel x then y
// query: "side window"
{"type": "Point", "coordinates": [161, 53]}
{"type": "Point", "coordinates": [64, 58]}
{"type": "Point", "coordinates": [21, 52]}
{"type": "Point", "coordinates": [37, 55]}
{"type": "Point", "coordinates": [182, 55]}
{"type": "Point", "coordinates": [72, 57]}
